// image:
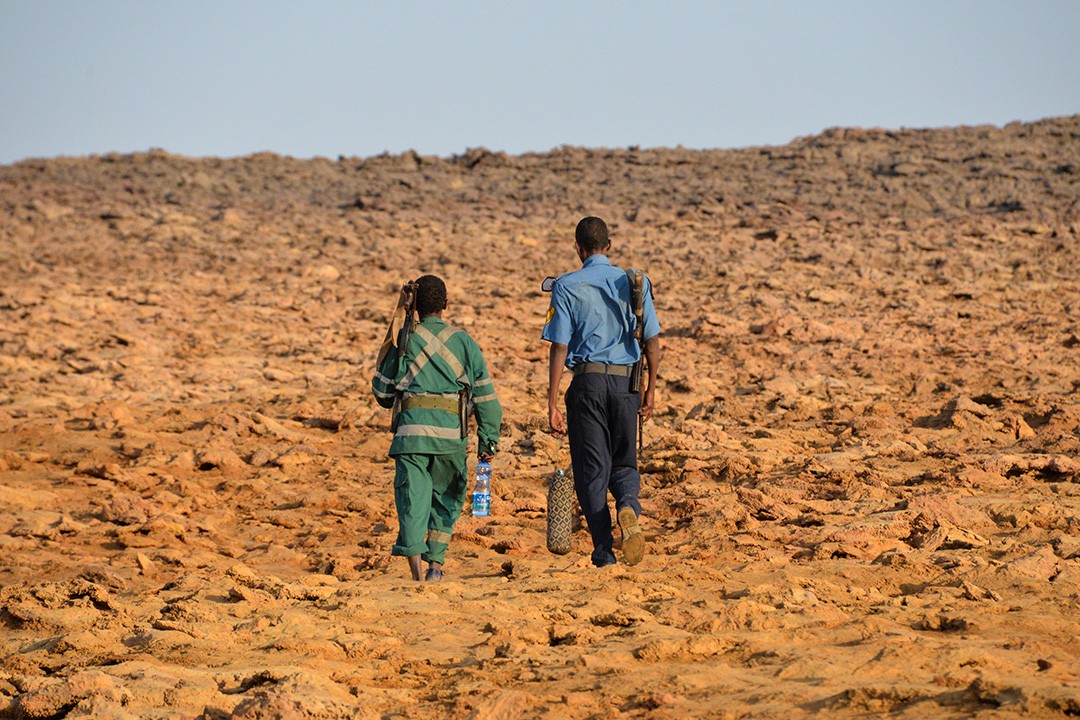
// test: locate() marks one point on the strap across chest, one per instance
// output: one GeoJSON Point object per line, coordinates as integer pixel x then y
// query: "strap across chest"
{"type": "Point", "coordinates": [434, 346]}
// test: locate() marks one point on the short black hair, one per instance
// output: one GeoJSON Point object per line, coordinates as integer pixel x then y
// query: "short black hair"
{"type": "Point", "coordinates": [430, 295]}
{"type": "Point", "coordinates": [592, 234]}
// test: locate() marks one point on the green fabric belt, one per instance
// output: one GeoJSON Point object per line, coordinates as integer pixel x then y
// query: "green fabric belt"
{"type": "Point", "coordinates": [431, 402]}
{"type": "Point", "coordinates": [618, 370]}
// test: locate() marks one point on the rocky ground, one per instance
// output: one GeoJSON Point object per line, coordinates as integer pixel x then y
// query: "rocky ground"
{"type": "Point", "coordinates": [862, 487]}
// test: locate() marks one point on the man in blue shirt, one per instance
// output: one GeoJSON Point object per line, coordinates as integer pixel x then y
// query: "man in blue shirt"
{"type": "Point", "coordinates": [590, 326]}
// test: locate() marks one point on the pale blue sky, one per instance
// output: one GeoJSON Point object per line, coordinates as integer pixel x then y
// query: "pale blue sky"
{"type": "Point", "coordinates": [226, 78]}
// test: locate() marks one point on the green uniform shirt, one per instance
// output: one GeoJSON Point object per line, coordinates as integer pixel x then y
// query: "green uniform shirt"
{"type": "Point", "coordinates": [440, 360]}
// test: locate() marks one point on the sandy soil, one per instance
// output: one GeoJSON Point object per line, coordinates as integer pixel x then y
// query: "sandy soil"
{"type": "Point", "coordinates": [861, 489]}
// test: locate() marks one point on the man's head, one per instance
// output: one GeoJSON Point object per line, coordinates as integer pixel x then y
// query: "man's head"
{"type": "Point", "coordinates": [430, 295]}
{"type": "Point", "coordinates": [592, 236]}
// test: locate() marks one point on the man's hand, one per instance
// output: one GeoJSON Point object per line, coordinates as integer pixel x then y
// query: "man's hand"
{"type": "Point", "coordinates": [556, 421]}
{"type": "Point", "coordinates": [556, 362]}
{"type": "Point", "coordinates": [652, 359]}
{"type": "Point", "coordinates": [485, 451]}
{"type": "Point", "coordinates": [405, 297]}
{"type": "Point", "coordinates": [647, 404]}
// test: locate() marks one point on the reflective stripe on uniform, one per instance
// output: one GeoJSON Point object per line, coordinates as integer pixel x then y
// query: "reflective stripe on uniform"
{"type": "Point", "coordinates": [433, 345]}
{"type": "Point", "coordinates": [439, 536]}
{"type": "Point", "coordinates": [439, 346]}
{"type": "Point", "coordinates": [381, 394]}
{"type": "Point", "coordinates": [432, 431]}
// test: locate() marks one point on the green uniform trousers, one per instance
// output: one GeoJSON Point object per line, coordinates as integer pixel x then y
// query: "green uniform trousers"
{"type": "Point", "coordinates": [429, 491]}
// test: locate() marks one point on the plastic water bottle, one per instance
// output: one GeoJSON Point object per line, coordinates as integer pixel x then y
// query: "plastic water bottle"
{"type": "Point", "coordinates": [481, 499]}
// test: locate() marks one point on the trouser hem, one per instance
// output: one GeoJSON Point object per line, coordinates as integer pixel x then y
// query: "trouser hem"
{"type": "Point", "coordinates": [409, 550]}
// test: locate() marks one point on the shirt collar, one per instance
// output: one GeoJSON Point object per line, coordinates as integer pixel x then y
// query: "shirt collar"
{"type": "Point", "coordinates": [596, 260]}
{"type": "Point", "coordinates": [433, 321]}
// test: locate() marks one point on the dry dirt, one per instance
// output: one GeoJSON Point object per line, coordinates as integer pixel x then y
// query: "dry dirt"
{"type": "Point", "coordinates": [862, 487]}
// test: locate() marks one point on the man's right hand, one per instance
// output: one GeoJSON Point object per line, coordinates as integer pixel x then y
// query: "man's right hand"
{"type": "Point", "coordinates": [556, 363]}
{"type": "Point", "coordinates": [647, 404]}
{"type": "Point", "coordinates": [556, 421]}
{"type": "Point", "coordinates": [405, 296]}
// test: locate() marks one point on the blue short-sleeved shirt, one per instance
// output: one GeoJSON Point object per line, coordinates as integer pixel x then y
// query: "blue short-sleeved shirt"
{"type": "Point", "coordinates": [592, 315]}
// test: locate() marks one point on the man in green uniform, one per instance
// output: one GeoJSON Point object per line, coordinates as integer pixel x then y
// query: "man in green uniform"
{"type": "Point", "coordinates": [439, 379]}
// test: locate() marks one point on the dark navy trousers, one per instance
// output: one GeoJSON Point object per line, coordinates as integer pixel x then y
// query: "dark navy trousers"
{"type": "Point", "coordinates": [601, 419]}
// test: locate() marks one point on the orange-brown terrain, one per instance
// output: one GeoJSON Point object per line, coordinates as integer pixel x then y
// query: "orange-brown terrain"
{"type": "Point", "coordinates": [862, 486]}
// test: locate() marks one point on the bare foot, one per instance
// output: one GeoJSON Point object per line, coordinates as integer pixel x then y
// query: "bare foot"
{"type": "Point", "coordinates": [415, 564]}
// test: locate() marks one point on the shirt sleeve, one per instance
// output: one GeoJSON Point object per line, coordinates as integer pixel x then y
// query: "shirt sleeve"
{"type": "Point", "coordinates": [487, 408]}
{"type": "Point", "coordinates": [382, 384]}
{"type": "Point", "coordinates": [648, 313]}
{"type": "Point", "coordinates": [557, 327]}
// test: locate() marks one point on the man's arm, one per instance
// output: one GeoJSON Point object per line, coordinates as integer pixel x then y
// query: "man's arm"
{"type": "Point", "coordinates": [652, 358]}
{"type": "Point", "coordinates": [487, 408]}
{"type": "Point", "coordinates": [382, 384]}
{"type": "Point", "coordinates": [556, 363]}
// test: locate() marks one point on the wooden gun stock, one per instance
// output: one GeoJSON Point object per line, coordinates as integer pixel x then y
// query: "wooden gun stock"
{"type": "Point", "coordinates": [409, 291]}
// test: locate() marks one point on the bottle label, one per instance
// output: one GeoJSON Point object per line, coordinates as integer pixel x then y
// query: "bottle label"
{"type": "Point", "coordinates": [481, 504]}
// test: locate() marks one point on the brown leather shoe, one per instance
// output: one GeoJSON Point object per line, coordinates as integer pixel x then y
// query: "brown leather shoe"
{"type": "Point", "coordinates": [633, 541]}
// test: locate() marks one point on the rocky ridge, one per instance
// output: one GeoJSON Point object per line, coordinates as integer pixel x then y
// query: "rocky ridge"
{"type": "Point", "coordinates": [860, 490]}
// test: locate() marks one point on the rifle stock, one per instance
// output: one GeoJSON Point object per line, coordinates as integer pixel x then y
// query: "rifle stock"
{"type": "Point", "coordinates": [636, 372]}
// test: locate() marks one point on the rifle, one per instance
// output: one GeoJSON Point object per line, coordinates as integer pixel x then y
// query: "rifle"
{"type": "Point", "coordinates": [637, 299]}
{"type": "Point", "coordinates": [408, 292]}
